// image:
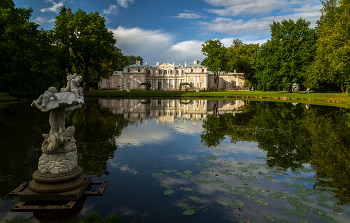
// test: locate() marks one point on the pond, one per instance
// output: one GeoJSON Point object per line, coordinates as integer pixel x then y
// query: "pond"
{"type": "Point", "coordinates": [194, 160]}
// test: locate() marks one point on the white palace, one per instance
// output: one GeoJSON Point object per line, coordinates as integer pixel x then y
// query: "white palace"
{"type": "Point", "coordinates": [167, 76]}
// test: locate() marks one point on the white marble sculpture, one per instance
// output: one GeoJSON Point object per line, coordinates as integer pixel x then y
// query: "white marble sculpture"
{"type": "Point", "coordinates": [59, 149]}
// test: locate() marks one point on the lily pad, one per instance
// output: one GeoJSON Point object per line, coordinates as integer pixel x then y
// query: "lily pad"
{"type": "Point", "coordinates": [330, 188]}
{"type": "Point", "coordinates": [189, 212]}
{"type": "Point", "coordinates": [184, 206]}
{"type": "Point", "coordinates": [258, 200]}
{"type": "Point", "coordinates": [188, 189]}
{"type": "Point", "coordinates": [322, 199]}
{"type": "Point", "coordinates": [225, 203]}
{"type": "Point", "coordinates": [227, 186]}
{"type": "Point", "coordinates": [247, 188]}
{"type": "Point", "coordinates": [206, 170]}
{"type": "Point", "coordinates": [240, 203]}
{"type": "Point", "coordinates": [308, 200]}
{"type": "Point", "coordinates": [263, 190]}
{"type": "Point", "coordinates": [296, 203]}
{"type": "Point", "coordinates": [303, 208]}
{"type": "Point", "coordinates": [252, 178]}
{"type": "Point", "coordinates": [301, 213]}
{"type": "Point", "coordinates": [234, 205]}
{"type": "Point", "coordinates": [288, 211]}
{"type": "Point", "coordinates": [319, 211]}
{"type": "Point", "coordinates": [200, 181]}
{"type": "Point", "coordinates": [167, 184]}
{"type": "Point", "coordinates": [272, 218]}
{"type": "Point", "coordinates": [299, 186]}
{"type": "Point", "coordinates": [193, 198]}
{"type": "Point", "coordinates": [301, 194]}
{"type": "Point", "coordinates": [168, 192]}
{"type": "Point", "coordinates": [159, 174]}
{"type": "Point", "coordinates": [198, 164]}
{"type": "Point", "coordinates": [296, 172]}
{"type": "Point", "coordinates": [324, 205]}
{"type": "Point", "coordinates": [305, 221]}
{"type": "Point", "coordinates": [205, 175]}
{"type": "Point", "coordinates": [329, 219]}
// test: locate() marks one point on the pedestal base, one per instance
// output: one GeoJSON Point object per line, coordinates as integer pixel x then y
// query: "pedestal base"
{"type": "Point", "coordinates": [70, 195]}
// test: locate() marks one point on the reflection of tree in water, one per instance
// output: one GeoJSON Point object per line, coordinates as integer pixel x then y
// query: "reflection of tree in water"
{"type": "Point", "coordinates": [330, 149]}
{"type": "Point", "coordinates": [20, 143]}
{"type": "Point", "coordinates": [319, 136]}
{"type": "Point", "coordinates": [96, 130]}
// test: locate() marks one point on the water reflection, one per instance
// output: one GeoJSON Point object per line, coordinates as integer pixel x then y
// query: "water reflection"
{"type": "Point", "coordinates": [301, 150]}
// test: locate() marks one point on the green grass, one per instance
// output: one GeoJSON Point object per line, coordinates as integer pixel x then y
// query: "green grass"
{"type": "Point", "coordinates": [333, 99]}
{"type": "Point", "coordinates": [5, 97]}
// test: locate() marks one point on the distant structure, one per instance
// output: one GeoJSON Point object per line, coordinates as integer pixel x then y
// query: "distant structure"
{"type": "Point", "coordinates": [168, 76]}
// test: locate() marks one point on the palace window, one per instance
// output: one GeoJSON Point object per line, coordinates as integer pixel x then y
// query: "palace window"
{"type": "Point", "coordinates": [138, 70]}
{"type": "Point", "coordinates": [202, 70]}
{"type": "Point", "coordinates": [191, 70]}
{"type": "Point", "coordinates": [171, 72]}
{"type": "Point", "coordinates": [177, 71]}
{"type": "Point", "coordinates": [128, 70]}
{"type": "Point", "coordinates": [165, 72]}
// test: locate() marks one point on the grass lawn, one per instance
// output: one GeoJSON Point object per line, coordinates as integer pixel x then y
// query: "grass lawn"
{"type": "Point", "coordinates": [333, 99]}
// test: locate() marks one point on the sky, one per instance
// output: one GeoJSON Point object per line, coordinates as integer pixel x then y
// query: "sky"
{"type": "Point", "coordinates": [174, 30]}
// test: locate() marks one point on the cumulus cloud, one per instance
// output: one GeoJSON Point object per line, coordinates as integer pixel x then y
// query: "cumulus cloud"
{"type": "Point", "coordinates": [41, 20]}
{"type": "Point", "coordinates": [112, 9]}
{"type": "Point", "coordinates": [54, 8]}
{"type": "Point", "coordinates": [187, 15]}
{"type": "Point", "coordinates": [124, 3]}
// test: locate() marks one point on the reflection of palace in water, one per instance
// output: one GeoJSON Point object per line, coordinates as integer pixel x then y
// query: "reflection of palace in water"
{"type": "Point", "coordinates": [166, 111]}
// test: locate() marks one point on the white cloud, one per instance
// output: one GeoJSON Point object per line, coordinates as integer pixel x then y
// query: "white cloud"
{"type": "Point", "coordinates": [256, 26]}
{"type": "Point", "coordinates": [260, 7]}
{"type": "Point", "coordinates": [187, 15]}
{"type": "Point", "coordinates": [41, 20]}
{"type": "Point", "coordinates": [124, 3]}
{"type": "Point", "coordinates": [54, 8]}
{"type": "Point", "coordinates": [112, 9]}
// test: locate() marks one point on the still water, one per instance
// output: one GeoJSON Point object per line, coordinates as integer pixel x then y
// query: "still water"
{"type": "Point", "coordinates": [194, 160]}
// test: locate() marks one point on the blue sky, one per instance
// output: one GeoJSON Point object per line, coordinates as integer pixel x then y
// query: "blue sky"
{"type": "Point", "coordinates": [173, 30]}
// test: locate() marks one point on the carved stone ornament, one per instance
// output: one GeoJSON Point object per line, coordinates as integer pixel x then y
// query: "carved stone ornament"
{"type": "Point", "coordinates": [59, 148]}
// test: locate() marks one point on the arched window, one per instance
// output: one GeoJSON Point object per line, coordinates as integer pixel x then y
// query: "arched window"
{"type": "Point", "coordinates": [177, 71]}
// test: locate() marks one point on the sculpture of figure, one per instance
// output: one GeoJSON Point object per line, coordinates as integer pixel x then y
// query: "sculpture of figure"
{"type": "Point", "coordinates": [45, 98]}
{"type": "Point", "coordinates": [75, 82]}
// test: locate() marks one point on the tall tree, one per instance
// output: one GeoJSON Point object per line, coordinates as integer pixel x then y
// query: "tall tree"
{"type": "Point", "coordinates": [216, 58]}
{"type": "Point", "coordinates": [90, 42]}
{"type": "Point", "coordinates": [293, 46]}
{"type": "Point", "coordinates": [27, 65]}
{"type": "Point", "coordinates": [243, 58]}
{"type": "Point", "coordinates": [331, 68]}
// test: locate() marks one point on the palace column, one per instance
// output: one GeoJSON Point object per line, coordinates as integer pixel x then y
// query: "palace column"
{"type": "Point", "coordinates": [205, 81]}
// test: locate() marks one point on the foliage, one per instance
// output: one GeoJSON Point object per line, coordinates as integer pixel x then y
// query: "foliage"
{"type": "Point", "coordinates": [287, 55]}
{"type": "Point", "coordinates": [331, 68]}
{"type": "Point", "coordinates": [131, 59]}
{"type": "Point", "coordinates": [183, 84]}
{"type": "Point", "coordinates": [216, 59]}
{"type": "Point", "coordinates": [91, 44]}
{"type": "Point", "coordinates": [27, 65]}
{"type": "Point", "coordinates": [243, 58]}
{"type": "Point", "coordinates": [95, 217]}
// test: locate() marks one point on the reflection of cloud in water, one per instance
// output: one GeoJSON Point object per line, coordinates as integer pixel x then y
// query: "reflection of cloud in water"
{"type": "Point", "coordinates": [186, 157]}
{"type": "Point", "coordinates": [188, 127]}
{"type": "Point", "coordinates": [228, 148]}
{"type": "Point", "coordinates": [125, 211]}
{"type": "Point", "coordinates": [143, 134]}
{"type": "Point", "coordinates": [126, 168]}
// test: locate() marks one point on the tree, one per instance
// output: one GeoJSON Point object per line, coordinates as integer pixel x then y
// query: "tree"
{"type": "Point", "coordinates": [216, 58]}
{"type": "Point", "coordinates": [331, 68]}
{"type": "Point", "coordinates": [243, 58]}
{"type": "Point", "coordinates": [132, 60]}
{"type": "Point", "coordinates": [292, 46]}
{"type": "Point", "coordinates": [27, 65]}
{"type": "Point", "coordinates": [90, 43]}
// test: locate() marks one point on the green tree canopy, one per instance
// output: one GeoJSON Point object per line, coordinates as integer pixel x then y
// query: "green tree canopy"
{"type": "Point", "coordinates": [91, 44]}
{"type": "Point", "coordinates": [331, 68]}
{"type": "Point", "coordinates": [132, 59]}
{"type": "Point", "coordinates": [216, 58]}
{"type": "Point", "coordinates": [292, 46]}
{"type": "Point", "coordinates": [27, 64]}
{"type": "Point", "coordinates": [243, 58]}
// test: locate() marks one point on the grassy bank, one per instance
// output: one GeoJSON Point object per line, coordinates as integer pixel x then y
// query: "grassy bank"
{"type": "Point", "coordinates": [341, 99]}
{"type": "Point", "coordinates": [5, 97]}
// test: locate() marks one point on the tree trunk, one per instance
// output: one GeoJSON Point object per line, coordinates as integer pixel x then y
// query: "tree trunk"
{"type": "Point", "coordinates": [216, 80]}
{"type": "Point", "coordinates": [86, 76]}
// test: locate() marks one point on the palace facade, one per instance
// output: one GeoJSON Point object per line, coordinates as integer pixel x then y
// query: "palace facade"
{"type": "Point", "coordinates": [167, 76]}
